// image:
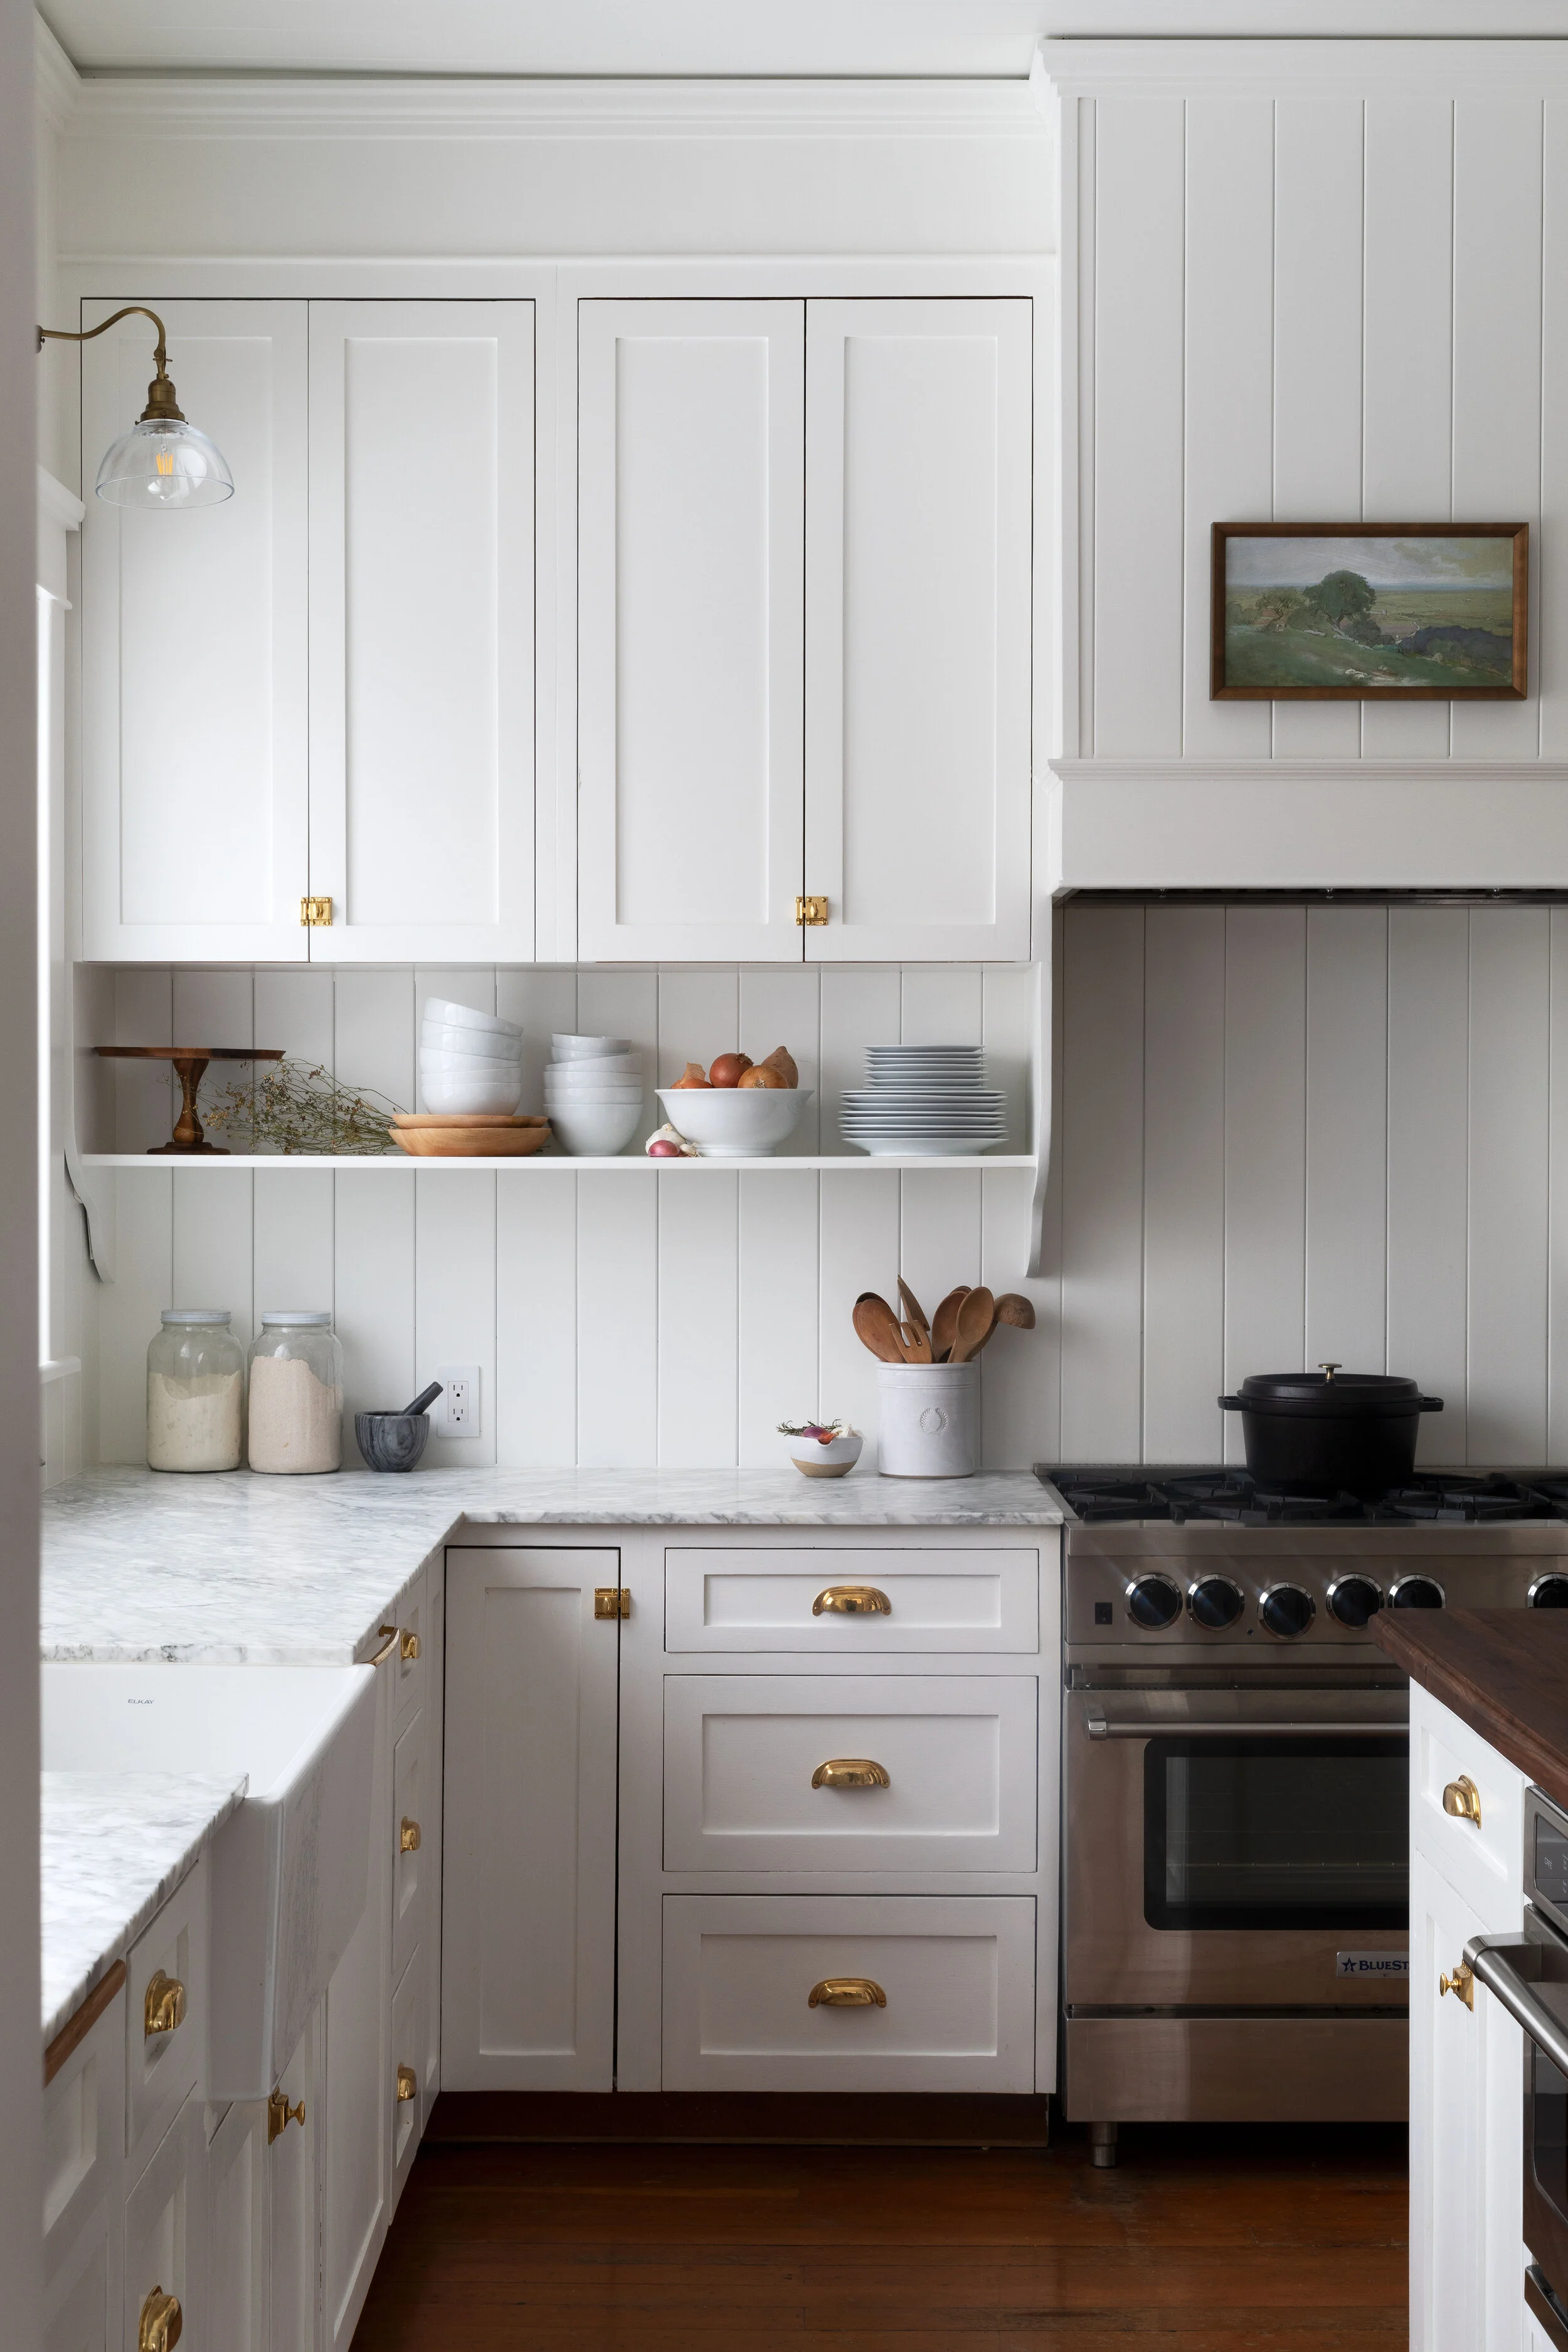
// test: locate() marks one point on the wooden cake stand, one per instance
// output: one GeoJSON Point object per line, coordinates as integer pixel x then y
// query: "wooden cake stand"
{"type": "Point", "coordinates": [190, 1061]}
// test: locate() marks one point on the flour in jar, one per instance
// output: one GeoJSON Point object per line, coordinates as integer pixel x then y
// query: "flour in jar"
{"type": "Point", "coordinates": [295, 1420]}
{"type": "Point", "coordinates": [193, 1424]}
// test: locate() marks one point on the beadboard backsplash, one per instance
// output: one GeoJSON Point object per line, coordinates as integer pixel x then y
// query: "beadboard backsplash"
{"type": "Point", "coordinates": [617, 1317]}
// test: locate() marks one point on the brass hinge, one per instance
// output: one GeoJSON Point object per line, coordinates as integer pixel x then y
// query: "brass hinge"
{"type": "Point", "coordinates": [810, 913]}
{"type": "Point", "coordinates": [611, 1601]}
{"type": "Point", "coordinates": [316, 914]}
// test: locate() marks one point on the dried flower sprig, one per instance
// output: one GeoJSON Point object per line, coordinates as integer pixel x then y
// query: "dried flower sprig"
{"type": "Point", "coordinates": [292, 1106]}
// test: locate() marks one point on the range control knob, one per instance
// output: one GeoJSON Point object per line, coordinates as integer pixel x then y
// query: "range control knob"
{"type": "Point", "coordinates": [1548, 1592]}
{"type": "Point", "coordinates": [1353, 1599]}
{"type": "Point", "coordinates": [1153, 1602]}
{"type": "Point", "coordinates": [1287, 1610]}
{"type": "Point", "coordinates": [1215, 1602]}
{"type": "Point", "coordinates": [1415, 1592]}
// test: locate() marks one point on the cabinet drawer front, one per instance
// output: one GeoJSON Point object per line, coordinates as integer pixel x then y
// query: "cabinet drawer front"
{"type": "Point", "coordinates": [414, 1640]}
{"type": "Point", "coordinates": [1485, 1859]}
{"type": "Point", "coordinates": [84, 2131]}
{"type": "Point", "coordinates": [165, 2231]}
{"type": "Point", "coordinates": [161, 2068]}
{"type": "Point", "coordinates": [408, 2063]}
{"type": "Point", "coordinates": [720, 1598]}
{"type": "Point", "coordinates": [740, 1752]}
{"type": "Point", "coordinates": [957, 1976]}
{"type": "Point", "coordinates": [408, 1829]}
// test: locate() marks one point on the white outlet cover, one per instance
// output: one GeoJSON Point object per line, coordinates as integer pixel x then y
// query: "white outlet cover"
{"type": "Point", "coordinates": [456, 1408]}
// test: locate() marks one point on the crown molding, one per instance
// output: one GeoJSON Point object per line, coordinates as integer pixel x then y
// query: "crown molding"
{"type": "Point", "coordinates": [57, 85]}
{"type": "Point", "coordinates": [1311, 68]}
{"type": "Point", "coordinates": [240, 107]}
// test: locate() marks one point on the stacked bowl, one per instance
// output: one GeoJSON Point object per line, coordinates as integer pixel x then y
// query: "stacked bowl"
{"type": "Point", "coordinates": [924, 1101]}
{"type": "Point", "coordinates": [468, 1062]}
{"type": "Point", "coordinates": [594, 1094]}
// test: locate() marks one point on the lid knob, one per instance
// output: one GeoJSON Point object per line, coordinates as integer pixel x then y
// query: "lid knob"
{"type": "Point", "coordinates": [1328, 1370]}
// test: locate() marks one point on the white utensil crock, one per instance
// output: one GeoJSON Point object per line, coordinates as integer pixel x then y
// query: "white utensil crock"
{"type": "Point", "coordinates": [930, 1420]}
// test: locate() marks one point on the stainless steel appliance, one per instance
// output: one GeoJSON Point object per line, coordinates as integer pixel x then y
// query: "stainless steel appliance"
{"type": "Point", "coordinates": [1529, 1974]}
{"type": "Point", "coordinates": [1235, 1779]}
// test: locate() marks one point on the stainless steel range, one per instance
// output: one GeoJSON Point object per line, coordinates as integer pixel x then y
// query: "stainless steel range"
{"type": "Point", "coordinates": [1235, 1776]}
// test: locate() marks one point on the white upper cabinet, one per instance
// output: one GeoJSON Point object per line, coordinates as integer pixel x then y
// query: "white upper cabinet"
{"type": "Point", "coordinates": [691, 452]}
{"type": "Point", "coordinates": [917, 502]}
{"type": "Point", "coordinates": [194, 651]}
{"type": "Point", "coordinates": [421, 595]}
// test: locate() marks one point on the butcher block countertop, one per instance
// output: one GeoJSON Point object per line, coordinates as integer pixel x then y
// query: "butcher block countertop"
{"type": "Point", "coordinates": [1503, 1670]}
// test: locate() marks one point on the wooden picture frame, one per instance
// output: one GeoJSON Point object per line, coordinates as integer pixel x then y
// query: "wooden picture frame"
{"type": "Point", "coordinates": [1426, 626]}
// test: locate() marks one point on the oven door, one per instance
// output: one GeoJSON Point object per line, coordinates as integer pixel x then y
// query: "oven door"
{"type": "Point", "coordinates": [1237, 1849]}
{"type": "Point", "coordinates": [1529, 1975]}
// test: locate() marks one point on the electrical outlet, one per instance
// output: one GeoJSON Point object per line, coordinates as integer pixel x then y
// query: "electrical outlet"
{"type": "Point", "coordinates": [458, 1406]}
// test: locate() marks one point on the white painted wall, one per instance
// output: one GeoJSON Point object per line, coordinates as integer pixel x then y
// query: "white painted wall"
{"type": "Point", "coordinates": [617, 1317]}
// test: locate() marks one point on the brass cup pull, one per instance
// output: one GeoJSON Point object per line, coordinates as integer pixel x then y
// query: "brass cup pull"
{"type": "Point", "coordinates": [1463, 1800]}
{"type": "Point", "coordinates": [280, 2114]}
{"type": "Point", "coordinates": [410, 1645]}
{"type": "Point", "coordinates": [1461, 1982]}
{"type": "Point", "coordinates": [407, 2084]}
{"type": "Point", "coordinates": [161, 2323]}
{"type": "Point", "coordinates": [846, 1992]}
{"type": "Point", "coordinates": [163, 2008]}
{"type": "Point", "coordinates": [851, 1600]}
{"type": "Point", "coordinates": [408, 1836]}
{"type": "Point", "coordinates": [850, 1772]}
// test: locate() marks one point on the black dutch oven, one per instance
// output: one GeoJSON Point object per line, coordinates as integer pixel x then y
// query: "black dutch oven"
{"type": "Point", "coordinates": [1340, 1432]}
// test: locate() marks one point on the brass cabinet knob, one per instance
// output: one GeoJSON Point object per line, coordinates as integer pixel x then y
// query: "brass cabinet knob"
{"type": "Point", "coordinates": [164, 2007]}
{"type": "Point", "coordinates": [410, 1645]}
{"type": "Point", "coordinates": [161, 2323]}
{"type": "Point", "coordinates": [851, 1600]}
{"type": "Point", "coordinates": [407, 2084]}
{"type": "Point", "coordinates": [1463, 1800]}
{"type": "Point", "coordinates": [1461, 1982]}
{"type": "Point", "coordinates": [850, 1772]}
{"type": "Point", "coordinates": [408, 1836]}
{"type": "Point", "coordinates": [280, 2114]}
{"type": "Point", "coordinates": [846, 1992]}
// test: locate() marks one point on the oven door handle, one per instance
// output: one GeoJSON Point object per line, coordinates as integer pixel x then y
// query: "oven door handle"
{"type": "Point", "coordinates": [1100, 1726]}
{"type": "Point", "coordinates": [1487, 1958]}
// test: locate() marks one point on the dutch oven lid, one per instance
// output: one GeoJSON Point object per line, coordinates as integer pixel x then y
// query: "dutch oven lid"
{"type": "Point", "coordinates": [1329, 1393]}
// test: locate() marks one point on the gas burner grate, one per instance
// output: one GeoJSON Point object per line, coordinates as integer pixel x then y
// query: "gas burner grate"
{"type": "Point", "coordinates": [1446, 1499]}
{"type": "Point", "coordinates": [1117, 1498]}
{"type": "Point", "coordinates": [1106, 1493]}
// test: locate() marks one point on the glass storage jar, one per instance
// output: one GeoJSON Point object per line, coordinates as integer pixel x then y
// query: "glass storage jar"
{"type": "Point", "coordinates": [196, 1390]}
{"type": "Point", "coordinates": [296, 1392]}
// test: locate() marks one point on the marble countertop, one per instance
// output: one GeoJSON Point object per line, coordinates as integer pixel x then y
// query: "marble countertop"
{"type": "Point", "coordinates": [115, 1846]}
{"type": "Point", "coordinates": [239, 1569]}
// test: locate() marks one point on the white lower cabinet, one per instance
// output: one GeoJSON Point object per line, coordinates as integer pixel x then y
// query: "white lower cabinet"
{"type": "Point", "coordinates": [295, 2183]}
{"type": "Point", "coordinates": [85, 2318]}
{"type": "Point", "coordinates": [239, 2245]}
{"type": "Point", "coordinates": [165, 2233]}
{"type": "Point", "coordinates": [407, 2083]}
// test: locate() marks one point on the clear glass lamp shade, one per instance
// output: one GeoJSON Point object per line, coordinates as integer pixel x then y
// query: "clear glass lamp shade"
{"type": "Point", "coordinates": [161, 463]}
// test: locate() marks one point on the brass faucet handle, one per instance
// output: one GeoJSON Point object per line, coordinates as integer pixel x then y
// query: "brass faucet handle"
{"type": "Point", "coordinates": [852, 1773]}
{"type": "Point", "coordinates": [846, 1992]}
{"type": "Point", "coordinates": [1461, 1982]}
{"type": "Point", "coordinates": [408, 1836]}
{"type": "Point", "coordinates": [851, 1600]}
{"type": "Point", "coordinates": [161, 2323]}
{"type": "Point", "coordinates": [1462, 1798]}
{"type": "Point", "coordinates": [407, 2084]}
{"type": "Point", "coordinates": [280, 2114]}
{"type": "Point", "coordinates": [164, 2007]}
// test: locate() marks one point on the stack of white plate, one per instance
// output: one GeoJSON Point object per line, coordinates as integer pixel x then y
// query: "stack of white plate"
{"type": "Point", "coordinates": [468, 1062]}
{"type": "Point", "coordinates": [924, 1100]}
{"type": "Point", "coordinates": [594, 1094]}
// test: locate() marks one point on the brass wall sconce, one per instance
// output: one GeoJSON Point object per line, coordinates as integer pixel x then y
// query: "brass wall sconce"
{"type": "Point", "coordinates": [164, 461]}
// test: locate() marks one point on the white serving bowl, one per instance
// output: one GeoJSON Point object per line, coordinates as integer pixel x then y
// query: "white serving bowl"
{"type": "Point", "coordinates": [735, 1122]}
{"type": "Point", "coordinates": [594, 1130]}
{"type": "Point", "coordinates": [573, 1049]}
{"type": "Point", "coordinates": [444, 1037]}
{"type": "Point", "coordinates": [463, 1017]}
{"type": "Point", "coordinates": [497, 1097]}
{"type": "Point", "coordinates": [813, 1459]}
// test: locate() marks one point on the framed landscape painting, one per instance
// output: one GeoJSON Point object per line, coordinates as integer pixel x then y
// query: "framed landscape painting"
{"type": "Point", "coordinates": [1349, 612]}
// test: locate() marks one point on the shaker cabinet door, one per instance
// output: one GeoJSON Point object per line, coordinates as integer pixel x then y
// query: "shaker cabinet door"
{"type": "Point", "coordinates": [1447, 2125]}
{"type": "Point", "coordinates": [194, 651]}
{"type": "Point", "coordinates": [918, 503]}
{"type": "Point", "coordinates": [356, 2099]}
{"type": "Point", "coordinates": [689, 548]}
{"type": "Point", "coordinates": [422, 686]}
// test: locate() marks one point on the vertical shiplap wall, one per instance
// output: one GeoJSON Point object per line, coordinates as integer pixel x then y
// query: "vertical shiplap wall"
{"type": "Point", "coordinates": [1287, 1134]}
{"type": "Point", "coordinates": [1347, 305]}
{"type": "Point", "coordinates": [617, 1318]}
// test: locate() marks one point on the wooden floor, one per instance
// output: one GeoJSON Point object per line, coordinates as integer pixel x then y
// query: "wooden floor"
{"type": "Point", "coordinates": [1291, 2240]}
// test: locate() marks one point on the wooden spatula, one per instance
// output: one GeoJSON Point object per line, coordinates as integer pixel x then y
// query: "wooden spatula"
{"type": "Point", "coordinates": [912, 1306]}
{"type": "Point", "coordinates": [945, 1323]}
{"type": "Point", "coordinates": [876, 1327]}
{"type": "Point", "coordinates": [976, 1322]}
{"type": "Point", "coordinates": [917, 1344]}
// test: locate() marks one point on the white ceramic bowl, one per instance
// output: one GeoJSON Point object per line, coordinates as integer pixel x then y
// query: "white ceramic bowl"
{"type": "Point", "coordinates": [444, 1037]}
{"type": "Point", "coordinates": [814, 1460]}
{"type": "Point", "coordinates": [573, 1049]}
{"type": "Point", "coordinates": [590, 1074]}
{"type": "Point", "coordinates": [455, 1057]}
{"type": "Point", "coordinates": [598, 1065]}
{"type": "Point", "coordinates": [497, 1097]}
{"type": "Point", "coordinates": [593, 1130]}
{"type": "Point", "coordinates": [463, 1017]}
{"type": "Point", "coordinates": [567, 1097]}
{"type": "Point", "coordinates": [735, 1122]}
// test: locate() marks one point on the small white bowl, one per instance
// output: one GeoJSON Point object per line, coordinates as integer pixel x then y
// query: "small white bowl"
{"type": "Point", "coordinates": [498, 1099]}
{"type": "Point", "coordinates": [574, 1049]}
{"type": "Point", "coordinates": [735, 1122]}
{"type": "Point", "coordinates": [569, 1092]}
{"type": "Point", "coordinates": [463, 1017]}
{"type": "Point", "coordinates": [813, 1459]}
{"type": "Point", "coordinates": [598, 1065]}
{"type": "Point", "coordinates": [595, 1130]}
{"type": "Point", "coordinates": [489, 1066]}
{"type": "Point", "coordinates": [445, 1038]}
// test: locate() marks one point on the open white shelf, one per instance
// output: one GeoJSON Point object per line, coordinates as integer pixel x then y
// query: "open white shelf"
{"type": "Point", "coordinates": [837, 1164]}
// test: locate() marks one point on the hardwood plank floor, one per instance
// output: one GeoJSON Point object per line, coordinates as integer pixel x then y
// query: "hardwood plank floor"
{"type": "Point", "coordinates": [1243, 2240]}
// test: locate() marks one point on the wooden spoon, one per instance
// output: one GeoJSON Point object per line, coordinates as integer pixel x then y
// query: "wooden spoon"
{"type": "Point", "coordinates": [912, 1308]}
{"type": "Point", "coordinates": [945, 1322]}
{"type": "Point", "coordinates": [1014, 1308]}
{"type": "Point", "coordinates": [976, 1322]}
{"type": "Point", "coordinates": [876, 1327]}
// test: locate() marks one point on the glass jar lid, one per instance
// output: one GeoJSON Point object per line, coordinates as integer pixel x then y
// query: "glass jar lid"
{"type": "Point", "coordinates": [196, 1315]}
{"type": "Point", "coordinates": [298, 1314]}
